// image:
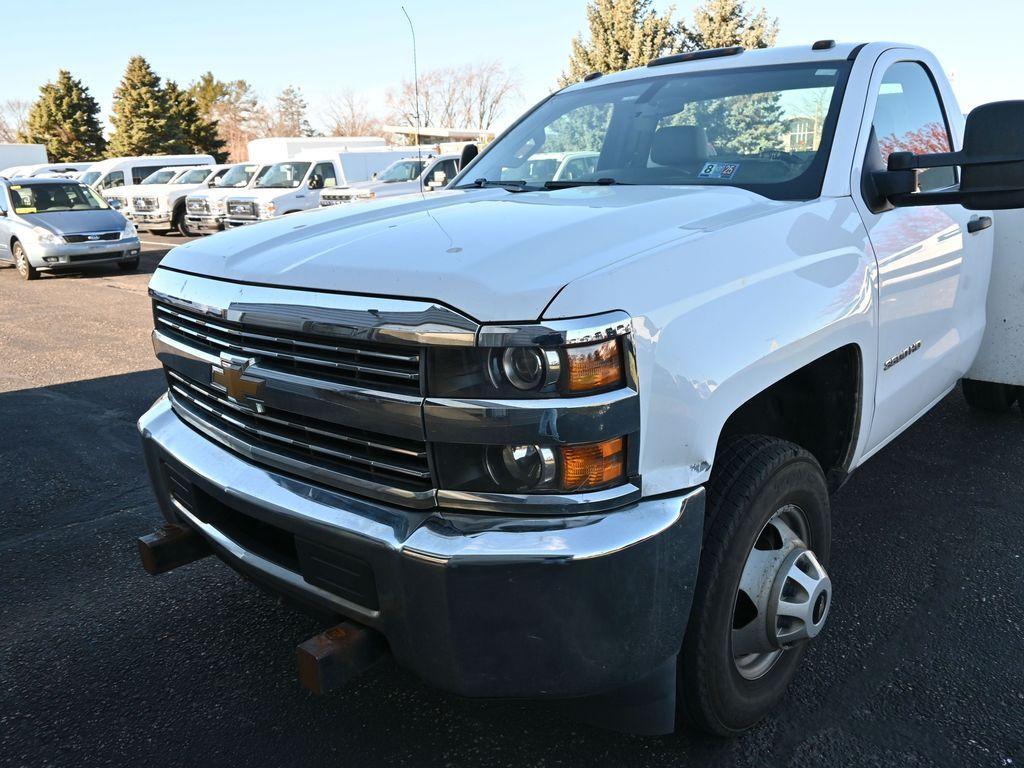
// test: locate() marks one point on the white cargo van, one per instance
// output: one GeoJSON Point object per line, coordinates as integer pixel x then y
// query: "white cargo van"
{"type": "Point", "coordinates": [124, 171]}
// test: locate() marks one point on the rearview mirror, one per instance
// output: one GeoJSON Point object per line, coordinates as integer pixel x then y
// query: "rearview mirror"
{"type": "Point", "coordinates": [991, 164]}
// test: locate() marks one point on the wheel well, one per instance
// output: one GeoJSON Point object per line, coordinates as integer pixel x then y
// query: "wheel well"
{"type": "Point", "coordinates": [817, 407]}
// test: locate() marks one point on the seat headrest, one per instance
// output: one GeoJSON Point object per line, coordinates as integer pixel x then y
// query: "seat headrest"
{"type": "Point", "coordinates": [679, 145]}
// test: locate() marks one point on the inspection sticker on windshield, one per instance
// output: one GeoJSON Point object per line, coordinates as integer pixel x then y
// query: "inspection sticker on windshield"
{"type": "Point", "coordinates": [718, 170]}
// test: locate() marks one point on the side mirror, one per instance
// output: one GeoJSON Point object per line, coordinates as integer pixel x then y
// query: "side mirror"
{"type": "Point", "coordinates": [3, 213]}
{"type": "Point", "coordinates": [991, 164]}
{"type": "Point", "coordinates": [316, 182]}
{"type": "Point", "coordinates": [469, 152]}
{"type": "Point", "coordinates": [211, 183]}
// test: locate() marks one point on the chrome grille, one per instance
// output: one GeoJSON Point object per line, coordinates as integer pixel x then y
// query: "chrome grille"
{"type": "Point", "coordinates": [310, 443]}
{"type": "Point", "coordinates": [197, 206]}
{"type": "Point", "coordinates": [377, 366]}
{"type": "Point", "coordinates": [144, 203]}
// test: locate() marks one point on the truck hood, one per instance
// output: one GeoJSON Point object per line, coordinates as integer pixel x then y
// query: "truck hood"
{"type": "Point", "coordinates": [493, 254]}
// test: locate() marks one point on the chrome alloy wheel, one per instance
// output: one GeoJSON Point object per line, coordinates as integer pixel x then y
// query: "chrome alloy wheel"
{"type": "Point", "coordinates": [21, 259]}
{"type": "Point", "coordinates": [784, 595]}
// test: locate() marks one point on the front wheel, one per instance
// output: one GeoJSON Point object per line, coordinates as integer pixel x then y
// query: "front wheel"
{"type": "Point", "coordinates": [762, 591]}
{"type": "Point", "coordinates": [26, 270]}
{"type": "Point", "coordinates": [989, 395]}
{"type": "Point", "coordinates": [180, 224]}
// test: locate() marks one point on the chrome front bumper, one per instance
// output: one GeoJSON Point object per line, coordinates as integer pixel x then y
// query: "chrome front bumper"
{"type": "Point", "coordinates": [204, 223]}
{"type": "Point", "coordinates": [152, 218]}
{"type": "Point", "coordinates": [480, 605]}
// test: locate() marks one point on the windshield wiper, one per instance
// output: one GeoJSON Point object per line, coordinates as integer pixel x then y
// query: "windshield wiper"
{"type": "Point", "coordinates": [581, 183]}
{"type": "Point", "coordinates": [512, 185]}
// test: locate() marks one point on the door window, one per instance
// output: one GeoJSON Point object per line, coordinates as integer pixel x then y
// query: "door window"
{"type": "Point", "coordinates": [327, 173]}
{"type": "Point", "coordinates": [909, 118]}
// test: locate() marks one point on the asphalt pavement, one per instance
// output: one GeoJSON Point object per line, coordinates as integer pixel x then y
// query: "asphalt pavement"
{"type": "Point", "coordinates": [922, 663]}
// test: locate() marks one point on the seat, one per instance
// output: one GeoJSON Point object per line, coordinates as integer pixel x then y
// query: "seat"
{"type": "Point", "coordinates": [680, 146]}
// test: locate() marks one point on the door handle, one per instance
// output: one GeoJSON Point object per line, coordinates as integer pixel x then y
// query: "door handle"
{"type": "Point", "coordinates": [978, 223]}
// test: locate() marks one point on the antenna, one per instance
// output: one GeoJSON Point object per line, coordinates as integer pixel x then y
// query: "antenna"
{"type": "Point", "coordinates": [416, 92]}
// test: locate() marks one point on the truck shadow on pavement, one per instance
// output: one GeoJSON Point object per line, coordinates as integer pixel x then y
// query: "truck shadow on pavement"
{"type": "Point", "coordinates": [103, 663]}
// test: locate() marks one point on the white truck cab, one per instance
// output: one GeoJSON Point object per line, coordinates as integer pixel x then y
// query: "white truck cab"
{"type": "Point", "coordinates": [126, 171]}
{"type": "Point", "coordinates": [205, 209]}
{"type": "Point", "coordinates": [576, 437]}
{"type": "Point", "coordinates": [296, 185]}
{"type": "Point", "coordinates": [410, 174]}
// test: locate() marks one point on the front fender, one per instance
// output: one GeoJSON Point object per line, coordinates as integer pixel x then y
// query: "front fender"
{"type": "Point", "coordinates": [720, 316]}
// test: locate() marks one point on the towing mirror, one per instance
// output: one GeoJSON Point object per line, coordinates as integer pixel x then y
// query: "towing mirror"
{"type": "Point", "coordinates": [991, 164]}
{"type": "Point", "coordinates": [469, 152]}
{"type": "Point", "coordinates": [316, 182]}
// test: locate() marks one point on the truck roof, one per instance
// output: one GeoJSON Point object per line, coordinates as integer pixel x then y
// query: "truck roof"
{"type": "Point", "coordinates": [794, 54]}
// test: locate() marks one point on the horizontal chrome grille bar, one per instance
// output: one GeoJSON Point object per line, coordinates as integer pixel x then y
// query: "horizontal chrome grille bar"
{"type": "Point", "coordinates": [378, 368]}
{"type": "Point", "coordinates": [371, 457]}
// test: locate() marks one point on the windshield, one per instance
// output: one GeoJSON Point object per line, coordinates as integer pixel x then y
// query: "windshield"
{"type": "Point", "coordinates": [197, 176]}
{"type": "Point", "coordinates": [288, 175]}
{"type": "Point", "coordinates": [27, 199]}
{"type": "Point", "coordinates": [159, 177]}
{"type": "Point", "coordinates": [403, 170]}
{"type": "Point", "coordinates": [767, 129]}
{"type": "Point", "coordinates": [90, 176]}
{"type": "Point", "coordinates": [237, 177]}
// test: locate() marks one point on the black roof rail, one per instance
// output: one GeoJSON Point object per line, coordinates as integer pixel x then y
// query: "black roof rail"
{"type": "Point", "coordinates": [854, 52]}
{"type": "Point", "coordinates": [592, 76]}
{"type": "Point", "coordinates": [823, 45]}
{"type": "Point", "coordinates": [710, 53]}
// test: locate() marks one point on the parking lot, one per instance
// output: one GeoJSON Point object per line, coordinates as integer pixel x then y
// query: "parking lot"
{"type": "Point", "coordinates": [922, 662]}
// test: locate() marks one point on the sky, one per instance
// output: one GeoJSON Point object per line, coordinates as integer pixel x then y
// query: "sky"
{"type": "Point", "coordinates": [326, 46]}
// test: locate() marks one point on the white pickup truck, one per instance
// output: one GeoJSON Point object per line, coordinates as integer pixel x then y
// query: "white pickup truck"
{"type": "Point", "coordinates": [296, 184]}
{"type": "Point", "coordinates": [205, 209]}
{"type": "Point", "coordinates": [408, 175]}
{"type": "Point", "coordinates": [576, 438]}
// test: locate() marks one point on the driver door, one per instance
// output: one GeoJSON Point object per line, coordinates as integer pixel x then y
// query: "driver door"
{"type": "Point", "coordinates": [923, 253]}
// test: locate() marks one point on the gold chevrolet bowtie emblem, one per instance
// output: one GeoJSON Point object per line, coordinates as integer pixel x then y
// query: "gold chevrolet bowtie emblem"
{"type": "Point", "coordinates": [231, 375]}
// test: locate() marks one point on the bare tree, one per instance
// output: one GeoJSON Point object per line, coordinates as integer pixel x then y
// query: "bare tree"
{"type": "Point", "coordinates": [349, 115]}
{"type": "Point", "coordinates": [13, 119]}
{"type": "Point", "coordinates": [471, 96]}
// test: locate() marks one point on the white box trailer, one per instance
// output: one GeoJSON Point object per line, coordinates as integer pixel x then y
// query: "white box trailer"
{"type": "Point", "coordinates": [279, 148]}
{"type": "Point", "coordinates": [14, 155]}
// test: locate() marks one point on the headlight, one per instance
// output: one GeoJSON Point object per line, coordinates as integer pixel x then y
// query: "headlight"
{"type": "Point", "coordinates": [532, 371]}
{"type": "Point", "coordinates": [46, 237]}
{"type": "Point", "coordinates": [129, 231]}
{"type": "Point", "coordinates": [115, 203]}
{"type": "Point", "coordinates": [366, 195]}
{"type": "Point", "coordinates": [530, 468]}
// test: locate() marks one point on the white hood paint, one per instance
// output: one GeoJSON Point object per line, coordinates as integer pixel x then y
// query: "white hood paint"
{"type": "Point", "coordinates": [492, 254]}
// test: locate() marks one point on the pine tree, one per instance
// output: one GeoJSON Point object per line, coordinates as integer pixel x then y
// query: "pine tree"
{"type": "Point", "coordinates": [140, 120]}
{"type": "Point", "coordinates": [623, 34]}
{"type": "Point", "coordinates": [189, 131]}
{"type": "Point", "coordinates": [724, 23]}
{"type": "Point", "coordinates": [290, 114]}
{"type": "Point", "coordinates": [65, 118]}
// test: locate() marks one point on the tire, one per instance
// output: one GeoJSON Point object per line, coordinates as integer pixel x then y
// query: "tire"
{"type": "Point", "coordinates": [989, 396]}
{"type": "Point", "coordinates": [755, 479]}
{"type": "Point", "coordinates": [128, 266]}
{"type": "Point", "coordinates": [26, 270]}
{"type": "Point", "coordinates": [180, 224]}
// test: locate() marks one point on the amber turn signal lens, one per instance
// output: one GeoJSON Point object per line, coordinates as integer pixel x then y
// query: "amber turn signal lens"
{"type": "Point", "coordinates": [593, 465]}
{"type": "Point", "coordinates": [594, 366]}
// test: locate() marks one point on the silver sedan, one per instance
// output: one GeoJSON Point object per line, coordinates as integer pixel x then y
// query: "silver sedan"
{"type": "Point", "coordinates": [52, 224]}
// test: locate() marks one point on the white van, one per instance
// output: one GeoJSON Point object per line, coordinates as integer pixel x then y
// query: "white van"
{"type": "Point", "coordinates": [294, 185]}
{"type": "Point", "coordinates": [45, 169]}
{"type": "Point", "coordinates": [124, 171]}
